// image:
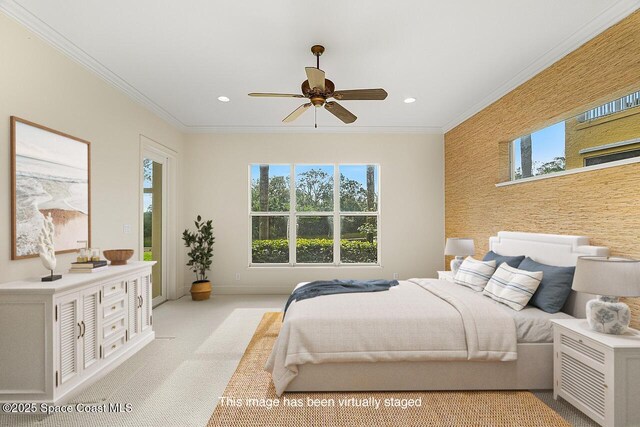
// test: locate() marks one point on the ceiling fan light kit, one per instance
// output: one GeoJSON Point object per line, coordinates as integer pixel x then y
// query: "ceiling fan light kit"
{"type": "Point", "coordinates": [318, 89]}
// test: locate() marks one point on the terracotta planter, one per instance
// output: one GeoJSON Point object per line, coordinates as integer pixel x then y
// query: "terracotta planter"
{"type": "Point", "coordinates": [200, 290]}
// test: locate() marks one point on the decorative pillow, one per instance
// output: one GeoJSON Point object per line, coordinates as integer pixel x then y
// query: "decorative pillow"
{"type": "Point", "coordinates": [512, 287]}
{"type": "Point", "coordinates": [474, 274]}
{"type": "Point", "coordinates": [554, 288]}
{"type": "Point", "coordinates": [513, 261]}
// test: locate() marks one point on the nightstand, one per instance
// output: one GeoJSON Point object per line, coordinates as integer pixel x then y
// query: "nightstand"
{"type": "Point", "coordinates": [446, 275]}
{"type": "Point", "coordinates": [597, 373]}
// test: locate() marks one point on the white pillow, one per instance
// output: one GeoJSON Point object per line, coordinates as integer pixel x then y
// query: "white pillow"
{"type": "Point", "coordinates": [475, 274]}
{"type": "Point", "coordinates": [513, 287]}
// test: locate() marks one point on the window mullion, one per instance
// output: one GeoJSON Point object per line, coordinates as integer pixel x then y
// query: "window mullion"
{"type": "Point", "coordinates": [293, 221]}
{"type": "Point", "coordinates": [336, 214]}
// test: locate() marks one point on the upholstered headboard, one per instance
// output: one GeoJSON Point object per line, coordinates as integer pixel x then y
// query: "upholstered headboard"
{"type": "Point", "coordinates": [552, 249]}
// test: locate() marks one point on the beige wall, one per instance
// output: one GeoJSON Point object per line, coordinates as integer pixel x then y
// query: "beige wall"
{"type": "Point", "coordinates": [40, 84]}
{"type": "Point", "coordinates": [602, 204]}
{"type": "Point", "coordinates": [412, 197]}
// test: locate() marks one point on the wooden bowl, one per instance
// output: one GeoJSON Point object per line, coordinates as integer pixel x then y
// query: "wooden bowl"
{"type": "Point", "coordinates": [118, 256]}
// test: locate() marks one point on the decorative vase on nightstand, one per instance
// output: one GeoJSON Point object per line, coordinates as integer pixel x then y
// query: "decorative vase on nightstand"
{"type": "Point", "coordinates": [609, 278]}
{"type": "Point", "coordinates": [608, 315]}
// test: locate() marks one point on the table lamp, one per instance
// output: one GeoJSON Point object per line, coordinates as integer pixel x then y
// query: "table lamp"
{"type": "Point", "coordinates": [458, 247]}
{"type": "Point", "coordinates": [609, 278]}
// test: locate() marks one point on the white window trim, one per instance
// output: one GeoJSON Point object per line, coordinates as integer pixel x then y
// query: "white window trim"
{"type": "Point", "coordinates": [336, 213]}
{"type": "Point", "coordinates": [571, 171]}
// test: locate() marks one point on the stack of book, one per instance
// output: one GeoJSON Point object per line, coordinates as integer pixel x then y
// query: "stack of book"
{"type": "Point", "coordinates": [88, 267]}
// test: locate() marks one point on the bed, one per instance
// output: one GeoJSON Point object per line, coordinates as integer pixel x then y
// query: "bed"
{"type": "Point", "coordinates": [510, 354]}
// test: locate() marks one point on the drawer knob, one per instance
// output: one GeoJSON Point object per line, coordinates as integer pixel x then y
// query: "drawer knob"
{"type": "Point", "coordinates": [113, 288]}
{"type": "Point", "coordinates": [113, 308]}
{"type": "Point", "coordinates": [113, 347]}
{"type": "Point", "coordinates": [113, 328]}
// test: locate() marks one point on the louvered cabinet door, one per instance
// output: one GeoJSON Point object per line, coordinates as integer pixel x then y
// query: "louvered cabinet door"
{"type": "Point", "coordinates": [68, 340]}
{"type": "Point", "coordinates": [90, 328]}
{"type": "Point", "coordinates": [146, 303]}
{"type": "Point", "coordinates": [581, 374]}
{"type": "Point", "coordinates": [133, 311]}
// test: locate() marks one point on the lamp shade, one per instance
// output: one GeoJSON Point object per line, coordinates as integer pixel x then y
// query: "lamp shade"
{"type": "Point", "coordinates": [459, 247]}
{"type": "Point", "coordinates": [618, 277]}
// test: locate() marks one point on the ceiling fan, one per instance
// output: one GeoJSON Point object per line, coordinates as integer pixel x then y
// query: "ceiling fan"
{"type": "Point", "coordinates": [318, 89]}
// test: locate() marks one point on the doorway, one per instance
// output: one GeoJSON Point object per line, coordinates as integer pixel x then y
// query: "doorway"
{"type": "Point", "coordinates": [154, 213]}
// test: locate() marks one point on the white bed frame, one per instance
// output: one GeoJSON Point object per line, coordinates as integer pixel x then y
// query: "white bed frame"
{"type": "Point", "coordinates": [532, 371]}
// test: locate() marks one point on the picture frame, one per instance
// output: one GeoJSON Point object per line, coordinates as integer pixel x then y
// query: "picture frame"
{"type": "Point", "coordinates": [50, 174]}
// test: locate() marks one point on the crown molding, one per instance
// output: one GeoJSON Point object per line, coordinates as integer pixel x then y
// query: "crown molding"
{"type": "Point", "coordinates": [60, 42]}
{"type": "Point", "coordinates": [611, 16]}
{"type": "Point", "coordinates": [323, 129]}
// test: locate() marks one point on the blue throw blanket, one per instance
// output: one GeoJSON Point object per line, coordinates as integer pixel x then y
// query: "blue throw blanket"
{"type": "Point", "coordinates": [330, 287]}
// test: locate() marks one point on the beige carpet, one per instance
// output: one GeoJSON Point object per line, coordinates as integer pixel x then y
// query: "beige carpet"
{"type": "Point", "coordinates": [250, 393]}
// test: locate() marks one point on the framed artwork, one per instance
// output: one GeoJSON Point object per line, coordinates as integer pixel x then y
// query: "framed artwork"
{"type": "Point", "coordinates": [50, 173]}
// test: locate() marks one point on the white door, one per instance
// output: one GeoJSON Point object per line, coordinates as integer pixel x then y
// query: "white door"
{"type": "Point", "coordinates": [68, 340]}
{"type": "Point", "coordinates": [154, 214]}
{"type": "Point", "coordinates": [90, 328]}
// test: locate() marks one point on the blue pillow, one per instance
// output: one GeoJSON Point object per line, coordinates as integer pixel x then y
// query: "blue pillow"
{"type": "Point", "coordinates": [554, 288]}
{"type": "Point", "coordinates": [512, 261]}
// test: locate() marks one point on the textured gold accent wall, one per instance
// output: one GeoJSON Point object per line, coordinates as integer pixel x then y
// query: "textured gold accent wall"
{"type": "Point", "coordinates": [603, 204]}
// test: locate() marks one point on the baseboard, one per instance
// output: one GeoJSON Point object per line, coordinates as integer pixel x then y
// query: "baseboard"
{"type": "Point", "coordinates": [248, 290]}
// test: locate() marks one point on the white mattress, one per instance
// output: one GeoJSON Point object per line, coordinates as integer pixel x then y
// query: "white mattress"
{"type": "Point", "coordinates": [532, 324]}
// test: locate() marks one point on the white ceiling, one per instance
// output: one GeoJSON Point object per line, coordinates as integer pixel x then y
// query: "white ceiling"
{"type": "Point", "coordinates": [455, 57]}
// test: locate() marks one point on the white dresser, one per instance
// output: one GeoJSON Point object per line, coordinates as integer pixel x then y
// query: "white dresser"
{"type": "Point", "coordinates": [598, 373]}
{"type": "Point", "coordinates": [58, 337]}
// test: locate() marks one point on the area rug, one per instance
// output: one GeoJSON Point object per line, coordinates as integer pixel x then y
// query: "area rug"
{"type": "Point", "coordinates": [250, 400]}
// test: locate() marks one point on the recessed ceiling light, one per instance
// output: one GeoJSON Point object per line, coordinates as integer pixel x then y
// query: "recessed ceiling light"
{"type": "Point", "coordinates": [409, 100]}
{"type": "Point", "coordinates": [223, 99]}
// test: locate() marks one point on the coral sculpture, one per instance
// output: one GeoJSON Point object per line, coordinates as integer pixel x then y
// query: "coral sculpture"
{"type": "Point", "coordinates": [45, 244]}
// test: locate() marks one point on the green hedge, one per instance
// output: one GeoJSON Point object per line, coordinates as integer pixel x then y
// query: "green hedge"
{"type": "Point", "coordinates": [358, 251]}
{"type": "Point", "coordinates": [314, 250]}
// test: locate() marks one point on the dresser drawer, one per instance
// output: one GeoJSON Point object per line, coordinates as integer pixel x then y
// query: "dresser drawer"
{"type": "Point", "coordinates": [113, 327]}
{"type": "Point", "coordinates": [583, 349]}
{"type": "Point", "coordinates": [113, 289]}
{"type": "Point", "coordinates": [113, 308]}
{"type": "Point", "coordinates": [114, 345]}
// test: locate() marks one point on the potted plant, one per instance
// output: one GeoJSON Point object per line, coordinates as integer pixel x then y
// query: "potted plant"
{"type": "Point", "coordinates": [200, 244]}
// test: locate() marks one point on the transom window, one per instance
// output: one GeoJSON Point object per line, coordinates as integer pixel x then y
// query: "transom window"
{"type": "Point", "coordinates": [330, 214]}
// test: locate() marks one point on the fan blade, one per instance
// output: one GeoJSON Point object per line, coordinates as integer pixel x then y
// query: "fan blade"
{"type": "Point", "coordinates": [277, 95]}
{"type": "Point", "coordinates": [340, 112]}
{"type": "Point", "coordinates": [360, 94]}
{"type": "Point", "coordinates": [296, 113]}
{"type": "Point", "coordinates": [315, 77]}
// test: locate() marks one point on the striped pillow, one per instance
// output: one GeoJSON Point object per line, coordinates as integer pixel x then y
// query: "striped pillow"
{"type": "Point", "coordinates": [513, 287]}
{"type": "Point", "coordinates": [475, 274]}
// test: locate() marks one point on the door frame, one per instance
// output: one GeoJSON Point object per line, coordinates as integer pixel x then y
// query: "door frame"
{"type": "Point", "coordinates": [150, 149]}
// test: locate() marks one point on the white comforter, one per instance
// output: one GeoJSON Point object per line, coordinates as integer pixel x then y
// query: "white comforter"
{"type": "Point", "coordinates": [420, 319]}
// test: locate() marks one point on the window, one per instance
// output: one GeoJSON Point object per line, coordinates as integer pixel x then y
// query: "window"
{"type": "Point", "coordinates": [604, 134]}
{"type": "Point", "coordinates": [539, 153]}
{"type": "Point", "coordinates": [314, 214]}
